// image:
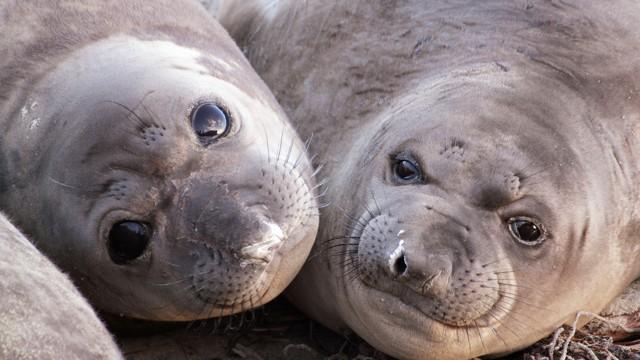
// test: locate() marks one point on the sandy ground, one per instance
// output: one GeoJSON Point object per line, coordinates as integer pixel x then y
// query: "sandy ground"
{"type": "Point", "coordinates": [276, 331]}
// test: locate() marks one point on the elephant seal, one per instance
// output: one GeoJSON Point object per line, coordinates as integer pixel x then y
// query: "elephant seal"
{"type": "Point", "coordinates": [144, 156]}
{"type": "Point", "coordinates": [482, 159]}
{"type": "Point", "coordinates": [42, 315]}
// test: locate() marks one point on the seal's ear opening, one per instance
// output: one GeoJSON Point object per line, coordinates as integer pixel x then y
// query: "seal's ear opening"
{"type": "Point", "coordinates": [127, 241]}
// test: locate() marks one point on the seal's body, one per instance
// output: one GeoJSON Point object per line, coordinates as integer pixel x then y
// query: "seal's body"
{"type": "Point", "coordinates": [482, 159]}
{"type": "Point", "coordinates": [144, 156]}
{"type": "Point", "coordinates": [42, 315]}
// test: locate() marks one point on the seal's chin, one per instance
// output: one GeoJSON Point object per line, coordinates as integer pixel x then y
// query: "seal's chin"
{"type": "Point", "coordinates": [242, 287]}
{"type": "Point", "coordinates": [414, 307]}
{"type": "Point", "coordinates": [408, 327]}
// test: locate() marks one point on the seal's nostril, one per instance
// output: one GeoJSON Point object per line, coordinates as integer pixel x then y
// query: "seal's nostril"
{"type": "Point", "coordinates": [400, 265]}
{"type": "Point", "coordinates": [397, 264]}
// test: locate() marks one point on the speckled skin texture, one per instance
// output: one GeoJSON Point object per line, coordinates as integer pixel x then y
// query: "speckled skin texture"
{"type": "Point", "coordinates": [96, 107]}
{"type": "Point", "coordinates": [511, 110]}
{"type": "Point", "coordinates": [42, 315]}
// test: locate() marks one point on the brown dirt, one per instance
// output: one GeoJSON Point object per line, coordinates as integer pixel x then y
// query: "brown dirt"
{"type": "Point", "coordinates": [278, 331]}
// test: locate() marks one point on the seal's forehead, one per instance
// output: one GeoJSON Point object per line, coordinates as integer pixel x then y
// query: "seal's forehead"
{"type": "Point", "coordinates": [491, 122]}
{"type": "Point", "coordinates": [133, 53]}
{"type": "Point", "coordinates": [484, 98]}
{"type": "Point", "coordinates": [129, 70]}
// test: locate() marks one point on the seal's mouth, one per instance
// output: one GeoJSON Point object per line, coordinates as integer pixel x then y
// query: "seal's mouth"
{"type": "Point", "coordinates": [263, 251]}
{"type": "Point", "coordinates": [240, 280]}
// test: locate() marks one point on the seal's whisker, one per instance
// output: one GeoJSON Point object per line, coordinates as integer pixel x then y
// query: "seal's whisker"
{"type": "Point", "coordinates": [131, 152]}
{"type": "Point", "coordinates": [307, 165]}
{"type": "Point", "coordinates": [505, 311]}
{"type": "Point", "coordinates": [280, 145]}
{"type": "Point", "coordinates": [326, 244]}
{"type": "Point", "coordinates": [266, 137]}
{"type": "Point", "coordinates": [350, 263]}
{"type": "Point", "coordinates": [323, 193]}
{"type": "Point", "coordinates": [512, 313]}
{"type": "Point", "coordinates": [163, 123]}
{"type": "Point", "coordinates": [497, 272]}
{"type": "Point", "coordinates": [128, 132]}
{"type": "Point", "coordinates": [372, 214]}
{"type": "Point", "coordinates": [493, 262]}
{"type": "Point", "coordinates": [144, 97]}
{"type": "Point", "coordinates": [502, 282]}
{"type": "Point", "coordinates": [289, 150]}
{"type": "Point", "coordinates": [479, 335]}
{"type": "Point", "coordinates": [126, 168]}
{"type": "Point", "coordinates": [528, 176]}
{"type": "Point", "coordinates": [369, 214]}
{"type": "Point", "coordinates": [351, 266]}
{"type": "Point", "coordinates": [351, 277]}
{"type": "Point", "coordinates": [173, 282]}
{"type": "Point", "coordinates": [317, 171]}
{"type": "Point", "coordinates": [296, 163]}
{"type": "Point", "coordinates": [345, 253]}
{"type": "Point", "coordinates": [373, 197]}
{"type": "Point", "coordinates": [466, 330]}
{"type": "Point", "coordinates": [141, 122]}
{"type": "Point", "coordinates": [337, 238]}
{"type": "Point", "coordinates": [352, 218]}
{"type": "Point", "coordinates": [318, 185]}
{"type": "Point", "coordinates": [497, 335]}
{"type": "Point", "coordinates": [307, 143]}
{"type": "Point", "coordinates": [60, 183]}
{"type": "Point", "coordinates": [322, 250]}
{"type": "Point", "coordinates": [153, 116]}
{"type": "Point", "coordinates": [302, 153]}
{"type": "Point", "coordinates": [501, 324]}
{"type": "Point", "coordinates": [519, 299]}
{"type": "Point", "coordinates": [338, 250]}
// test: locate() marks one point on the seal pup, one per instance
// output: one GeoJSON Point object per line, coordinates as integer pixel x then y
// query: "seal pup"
{"type": "Point", "coordinates": [482, 159]}
{"type": "Point", "coordinates": [146, 158]}
{"type": "Point", "coordinates": [42, 315]}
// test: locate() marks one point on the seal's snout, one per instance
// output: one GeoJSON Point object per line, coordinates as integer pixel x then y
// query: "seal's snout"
{"type": "Point", "coordinates": [427, 275]}
{"type": "Point", "coordinates": [236, 235]}
{"type": "Point", "coordinates": [428, 260]}
{"type": "Point", "coordinates": [424, 274]}
{"type": "Point", "coordinates": [263, 251]}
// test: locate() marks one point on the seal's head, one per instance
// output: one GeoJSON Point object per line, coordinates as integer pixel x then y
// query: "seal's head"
{"type": "Point", "coordinates": [478, 218]}
{"type": "Point", "coordinates": [169, 183]}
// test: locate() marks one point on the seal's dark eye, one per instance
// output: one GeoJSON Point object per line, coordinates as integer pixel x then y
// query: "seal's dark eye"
{"type": "Point", "coordinates": [127, 241]}
{"type": "Point", "coordinates": [406, 170]}
{"type": "Point", "coordinates": [526, 231]}
{"type": "Point", "coordinates": [210, 122]}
